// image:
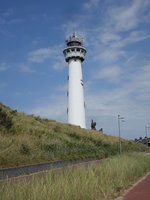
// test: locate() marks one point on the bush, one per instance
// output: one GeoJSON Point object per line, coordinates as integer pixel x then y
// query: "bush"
{"type": "Point", "coordinates": [13, 111]}
{"type": "Point", "coordinates": [57, 129]}
{"type": "Point", "coordinates": [38, 118]}
{"type": "Point", "coordinates": [5, 120]}
{"type": "Point", "coordinates": [25, 149]}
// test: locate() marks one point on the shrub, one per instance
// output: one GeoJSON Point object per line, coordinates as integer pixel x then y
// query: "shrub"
{"type": "Point", "coordinates": [74, 135]}
{"type": "Point", "coordinates": [57, 129]}
{"type": "Point", "coordinates": [25, 149]}
{"type": "Point", "coordinates": [5, 120]}
{"type": "Point", "coordinates": [13, 111]}
{"type": "Point", "coordinates": [38, 118]}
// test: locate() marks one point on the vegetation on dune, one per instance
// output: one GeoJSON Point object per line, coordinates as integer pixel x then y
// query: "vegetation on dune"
{"type": "Point", "coordinates": [26, 139]}
{"type": "Point", "coordinates": [97, 182]}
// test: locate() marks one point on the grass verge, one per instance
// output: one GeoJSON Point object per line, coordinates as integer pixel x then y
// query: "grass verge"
{"type": "Point", "coordinates": [95, 182]}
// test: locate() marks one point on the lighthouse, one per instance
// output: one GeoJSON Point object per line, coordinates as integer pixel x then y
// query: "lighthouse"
{"type": "Point", "coordinates": [74, 55]}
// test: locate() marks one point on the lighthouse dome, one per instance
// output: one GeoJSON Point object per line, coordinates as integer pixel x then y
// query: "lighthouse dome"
{"type": "Point", "coordinates": [74, 40]}
{"type": "Point", "coordinates": [75, 49]}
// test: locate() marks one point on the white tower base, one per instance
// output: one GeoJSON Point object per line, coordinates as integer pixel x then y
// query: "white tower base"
{"type": "Point", "coordinates": [76, 106]}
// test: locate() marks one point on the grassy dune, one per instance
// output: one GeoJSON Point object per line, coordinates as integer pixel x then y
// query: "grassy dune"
{"type": "Point", "coordinates": [96, 182]}
{"type": "Point", "coordinates": [26, 139]}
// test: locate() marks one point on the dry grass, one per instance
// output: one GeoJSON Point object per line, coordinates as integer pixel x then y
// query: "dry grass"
{"type": "Point", "coordinates": [96, 182]}
{"type": "Point", "coordinates": [26, 139]}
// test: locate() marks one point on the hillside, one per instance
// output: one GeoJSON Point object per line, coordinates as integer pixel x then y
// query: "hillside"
{"type": "Point", "coordinates": [28, 139]}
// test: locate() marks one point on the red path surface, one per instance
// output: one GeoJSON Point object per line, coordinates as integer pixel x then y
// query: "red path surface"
{"type": "Point", "coordinates": [141, 191]}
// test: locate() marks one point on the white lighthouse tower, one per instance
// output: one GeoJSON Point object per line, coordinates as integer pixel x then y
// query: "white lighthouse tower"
{"type": "Point", "coordinates": [74, 55]}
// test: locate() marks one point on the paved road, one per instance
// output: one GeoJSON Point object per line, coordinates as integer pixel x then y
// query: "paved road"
{"type": "Point", "coordinates": [28, 169]}
{"type": "Point", "coordinates": [141, 191]}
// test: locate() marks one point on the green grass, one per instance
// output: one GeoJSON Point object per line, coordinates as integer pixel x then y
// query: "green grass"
{"type": "Point", "coordinates": [95, 182]}
{"type": "Point", "coordinates": [26, 139]}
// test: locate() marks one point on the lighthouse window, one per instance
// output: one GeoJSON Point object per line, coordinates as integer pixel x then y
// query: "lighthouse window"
{"type": "Point", "coordinates": [78, 49]}
{"type": "Point", "coordinates": [68, 51]}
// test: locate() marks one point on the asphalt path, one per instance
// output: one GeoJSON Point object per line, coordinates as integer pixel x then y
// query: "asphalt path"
{"type": "Point", "coordinates": [30, 169]}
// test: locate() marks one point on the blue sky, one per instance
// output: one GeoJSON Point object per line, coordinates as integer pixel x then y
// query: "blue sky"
{"type": "Point", "coordinates": [116, 71]}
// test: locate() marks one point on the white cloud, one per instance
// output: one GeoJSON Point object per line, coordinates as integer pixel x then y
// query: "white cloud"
{"type": "Point", "coordinates": [40, 55]}
{"type": "Point", "coordinates": [62, 88]}
{"type": "Point", "coordinates": [4, 66]}
{"type": "Point", "coordinates": [126, 17]}
{"type": "Point", "coordinates": [59, 63]}
{"type": "Point", "coordinates": [54, 107]}
{"type": "Point", "coordinates": [141, 83]}
{"type": "Point", "coordinates": [7, 18]}
{"type": "Point", "coordinates": [108, 55]}
{"type": "Point", "coordinates": [107, 37]}
{"type": "Point", "coordinates": [111, 74]}
{"type": "Point", "coordinates": [53, 54]}
{"type": "Point", "coordinates": [8, 13]}
{"type": "Point", "coordinates": [91, 3]}
{"type": "Point", "coordinates": [130, 99]}
{"type": "Point", "coordinates": [133, 37]}
{"type": "Point", "coordinates": [18, 94]}
{"type": "Point", "coordinates": [118, 29]}
{"type": "Point", "coordinates": [26, 68]}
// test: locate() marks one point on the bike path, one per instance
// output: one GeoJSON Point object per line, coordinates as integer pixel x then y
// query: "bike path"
{"type": "Point", "coordinates": [141, 191]}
